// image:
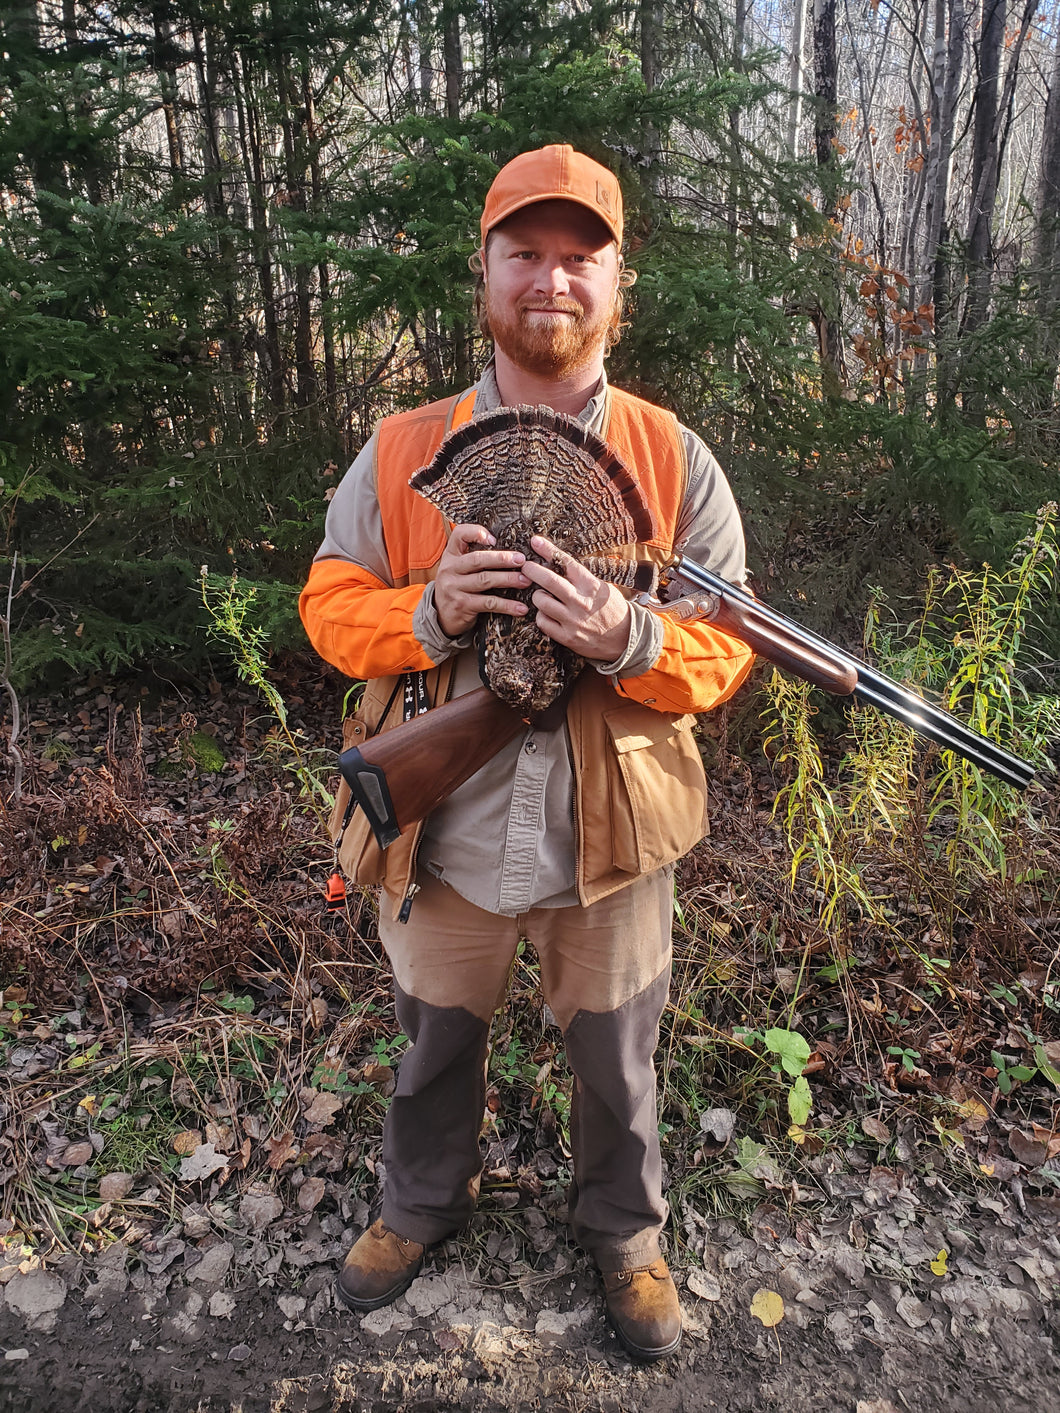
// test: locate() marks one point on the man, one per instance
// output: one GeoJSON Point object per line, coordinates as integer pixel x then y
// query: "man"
{"type": "Point", "coordinates": [569, 837]}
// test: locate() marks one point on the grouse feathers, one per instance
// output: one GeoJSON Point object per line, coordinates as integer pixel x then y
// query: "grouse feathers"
{"type": "Point", "coordinates": [523, 471]}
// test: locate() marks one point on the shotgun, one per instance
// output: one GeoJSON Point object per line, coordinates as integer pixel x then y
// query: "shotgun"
{"type": "Point", "coordinates": [400, 776]}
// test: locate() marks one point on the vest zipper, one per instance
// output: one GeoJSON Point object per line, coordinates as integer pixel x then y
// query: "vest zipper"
{"type": "Point", "coordinates": [406, 906]}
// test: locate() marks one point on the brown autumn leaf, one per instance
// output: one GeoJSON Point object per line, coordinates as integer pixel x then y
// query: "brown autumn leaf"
{"type": "Point", "coordinates": [77, 1153]}
{"type": "Point", "coordinates": [317, 1011]}
{"type": "Point", "coordinates": [282, 1150]}
{"type": "Point", "coordinates": [322, 1108]}
{"type": "Point", "coordinates": [876, 1128]}
{"type": "Point", "coordinates": [186, 1141]}
{"type": "Point", "coordinates": [310, 1193]}
{"type": "Point", "coordinates": [1027, 1150]}
{"type": "Point", "coordinates": [221, 1136]}
{"type": "Point", "coordinates": [114, 1186]}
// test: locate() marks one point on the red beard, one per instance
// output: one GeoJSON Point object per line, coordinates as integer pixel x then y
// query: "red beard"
{"type": "Point", "coordinates": [548, 347]}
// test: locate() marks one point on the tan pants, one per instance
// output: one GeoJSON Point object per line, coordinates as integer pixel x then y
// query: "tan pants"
{"type": "Point", "coordinates": [605, 974]}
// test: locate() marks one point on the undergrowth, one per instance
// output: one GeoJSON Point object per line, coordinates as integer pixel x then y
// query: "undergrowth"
{"type": "Point", "coordinates": [871, 963]}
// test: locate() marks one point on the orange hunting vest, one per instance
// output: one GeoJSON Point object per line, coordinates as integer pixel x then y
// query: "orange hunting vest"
{"type": "Point", "coordinates": [639, 786]}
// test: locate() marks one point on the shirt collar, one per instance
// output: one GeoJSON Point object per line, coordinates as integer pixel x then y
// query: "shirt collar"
{"type": "Point", "coordinates": [488, 398]}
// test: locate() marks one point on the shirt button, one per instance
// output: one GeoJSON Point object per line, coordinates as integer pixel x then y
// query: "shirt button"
{"type": "Point", "coordinates": [530, 747]}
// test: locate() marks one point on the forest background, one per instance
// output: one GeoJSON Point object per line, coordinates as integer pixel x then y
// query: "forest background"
{"type": "Point", "coordinates": [234, 235]}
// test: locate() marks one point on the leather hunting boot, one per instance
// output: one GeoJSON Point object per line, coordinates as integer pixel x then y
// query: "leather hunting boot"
{"type": "Point", "coordinates": [642, 1306]}
{"type": "Point", "coordinates": [381, 1265]}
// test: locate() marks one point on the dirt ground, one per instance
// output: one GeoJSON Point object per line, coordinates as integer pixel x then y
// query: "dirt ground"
{"type": "Point", "coordinates": [248, 1325]}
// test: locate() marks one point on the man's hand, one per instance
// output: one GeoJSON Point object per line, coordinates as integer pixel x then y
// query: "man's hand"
{"type": "Point", "coordinates": [469, 573]}
{"type": "Point", "coordinates": [576, 608]}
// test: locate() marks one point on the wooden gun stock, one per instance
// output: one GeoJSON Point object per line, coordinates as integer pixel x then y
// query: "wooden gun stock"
{"type": "Point", "coordinates": [399, 776]}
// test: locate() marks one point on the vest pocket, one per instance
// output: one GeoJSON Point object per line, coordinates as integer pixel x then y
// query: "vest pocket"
{"type": "Point", "coordinates": [657, 788]}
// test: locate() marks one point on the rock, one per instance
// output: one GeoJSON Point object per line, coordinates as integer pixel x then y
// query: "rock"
{"type": "Point", "coordinates": [239, 1352]}
{"type": "Point", "coordinates": [213, 1267]}
{"type": "Point", "coordinates": [222, 1305]}
{"type": "Point", "coordinates": [875, 1405]}
{"type": "Point", "coordinates": [703, 1284]}
{"type": "Point", "coordinates": [114, 1186]}
{"type": "Point", "coordinates": [36, 1296]}
{"type": "Point", "coordinates": [556, 1326]}
{"type": "Point", "coordinates": [16, 1354]}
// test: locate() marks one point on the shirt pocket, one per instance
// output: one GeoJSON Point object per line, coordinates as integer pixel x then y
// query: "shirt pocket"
{"type": "Point", "coordinates": [657, 787]}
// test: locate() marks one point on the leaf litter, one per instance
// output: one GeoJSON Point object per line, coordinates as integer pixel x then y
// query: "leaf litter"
{"type": "Point", "coordinates": [197, 1060]}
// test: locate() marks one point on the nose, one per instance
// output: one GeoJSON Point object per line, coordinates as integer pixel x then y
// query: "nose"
{"type": "Point", "coordinates": [551, 279]}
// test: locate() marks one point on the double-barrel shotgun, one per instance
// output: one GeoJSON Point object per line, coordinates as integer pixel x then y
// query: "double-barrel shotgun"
{"type": "Point", "coordinates": [399, 776]}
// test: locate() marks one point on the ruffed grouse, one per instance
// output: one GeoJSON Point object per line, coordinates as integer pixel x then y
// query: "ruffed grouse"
{"type": "Point", "coordinates": [523, 471]}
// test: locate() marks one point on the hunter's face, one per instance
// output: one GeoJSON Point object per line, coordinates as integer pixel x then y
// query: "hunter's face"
{"type": "Point", "coordinates": [551, 281]}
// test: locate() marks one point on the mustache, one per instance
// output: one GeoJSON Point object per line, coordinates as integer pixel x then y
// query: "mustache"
{"type": "Point", "coordinates": [552, 306]}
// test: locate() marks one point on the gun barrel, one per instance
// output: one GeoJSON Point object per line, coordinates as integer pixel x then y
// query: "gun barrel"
{"type": "Point", "coordinates": [872, 687]}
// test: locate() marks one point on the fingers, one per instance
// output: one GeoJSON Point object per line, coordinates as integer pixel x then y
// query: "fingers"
{"type": "Point", "coordinates": [574, 607]}
{"type": "Point", "coordinates": [470, 573]}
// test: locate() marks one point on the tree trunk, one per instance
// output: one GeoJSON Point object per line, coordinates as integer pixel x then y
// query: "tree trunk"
{"type": "Point", "coordinates": [453, 59]}
{"type": "Point", "coordinates": [984, 172]}
{"type": "Point", "coordinates": [649, 17]}
{"type": "Point", "coordinates": [826, 89]}
{"type": "Point", "coordinates": [796, 76]}
{"type": "Point", "coordinates": [1046, 271]}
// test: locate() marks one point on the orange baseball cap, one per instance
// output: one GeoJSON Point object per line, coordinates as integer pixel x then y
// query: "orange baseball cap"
{"type": "Point", "coordinates": [549, 174]}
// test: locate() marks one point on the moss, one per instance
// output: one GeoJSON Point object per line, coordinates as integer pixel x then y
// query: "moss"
{"type": "Point", "coordinates": [205, 752]}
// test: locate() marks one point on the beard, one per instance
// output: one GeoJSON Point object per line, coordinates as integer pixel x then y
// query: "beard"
{"type": "Point", "coordinates": [548, 347]}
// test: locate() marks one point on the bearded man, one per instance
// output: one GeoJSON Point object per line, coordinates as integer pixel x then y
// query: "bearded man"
{"type": "Point", "coordinates": [569, 838]}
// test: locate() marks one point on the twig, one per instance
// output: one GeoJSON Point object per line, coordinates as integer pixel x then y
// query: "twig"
{"type": "Point", "coordinates": [12, 696]}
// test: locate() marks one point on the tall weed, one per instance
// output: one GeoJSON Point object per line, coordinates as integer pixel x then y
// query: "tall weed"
{"type": "Point", "coordinates": [950, 827]}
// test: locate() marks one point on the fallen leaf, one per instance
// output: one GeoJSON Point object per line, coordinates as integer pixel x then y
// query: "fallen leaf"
{"type": "Point", "coordinates": [1027, 1150]}
{"type": "Point", "coordinates": [221, 1136]}
{"type": "Point", "coordinates": [186, 1141]}
{"type": "Point", "coordinates": [90, 1105]}
{"type": "Point", "coordinates": [310, 1193]}
{"type": "Point", "coordinates": [317, 1011]}
{"type": "Point", "coordinates": [77, 1153]}
{"type": "Point", "coordinates": [114, 1186]}
{"type": "Point", "coordinates": [259, 1209]}
{"type": "Point", "coordinates": [282, 1150]}
{"type": "Point", "coordinates": [938, 1266]}
{"type": "Point", "coordinates": [768, 1307]}
{"type": "Point", "coordinates": [875, 1128]}
{"type": "Point", "coordinates": [718, 1125]}
{"type": "Point", "coordinates": [703, 1284]}
{"type": "Point", "coordinates": [323, 1108]}
{"type": "Point", "coordinates": [202, 1164]}
{"type": "Point", "coordinates": [973, 1115]}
